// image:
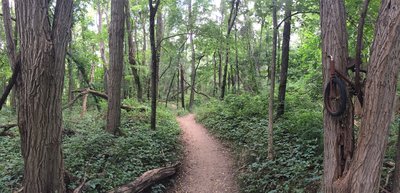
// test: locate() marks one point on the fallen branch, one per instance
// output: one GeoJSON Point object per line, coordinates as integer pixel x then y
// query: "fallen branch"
{"type": "Point", "coordinates": [147, 179]}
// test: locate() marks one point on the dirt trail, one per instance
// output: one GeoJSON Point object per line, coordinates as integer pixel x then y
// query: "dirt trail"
{"type": "Point", "coordinates": [207, 167]}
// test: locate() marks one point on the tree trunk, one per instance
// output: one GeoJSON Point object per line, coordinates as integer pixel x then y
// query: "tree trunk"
{"type": "Point", "coordinates": [182, 86]}
{"type": "Point", "coordinates": [360, 173]}
{"type": "Point", "coordinates": [272, 86]}
{"type": "Point", "coordinates": [132, 53]}
{"type": "Point", "coordinates": [285, 59]}
{"type": "Point", "coordinates": [70, 81]}
{"type": "Point", "coordinates": [214, 76]}
{"type": "Point", "coordinates": [154, 63]}
{"type": "Point", "coordinates": [11, 44]}
{"type": "Point", "coordinates": [101, 46]}
{"type": "Point", "coordinates": [85, 96]}
{"type": "Point", "coordinates": [40, 88]}
{"type": "Point", "coordinates": [237, 62]}
{"type": "Point", "coordinates": [231, 22]}
{"type": "Point", "coordinates": [193, 61]}
{"type": "Point", "coordinates": [116, 46]}
{"type": "Point", "coordinates": [338, 132]}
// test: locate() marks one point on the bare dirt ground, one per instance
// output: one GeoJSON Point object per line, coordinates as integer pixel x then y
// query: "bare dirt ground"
{"type": "Point", "coordinates": [208, 166]}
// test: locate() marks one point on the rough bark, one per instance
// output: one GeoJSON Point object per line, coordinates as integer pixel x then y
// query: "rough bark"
{"type": "Point", "coordinates": [132, 55]}
{"type": "Point", "coordinates": [272, 85]}
{"type": "Point", "coordinates": [361, 173]}
{"type": "Point", "coordinates": [154, 63]}
{"type": "Point", "coordinates": [40, 87]}
{"type": "Point", "coordinates": [116, 46]}
{"type": "Point", "coordinates": [379, 98]}
{"type": "Point", "coordinates": [338, 132]}
{"type": "Point", "coordinates": [285, 59]}
{"type": "Point", "coordinates": [193, 55]}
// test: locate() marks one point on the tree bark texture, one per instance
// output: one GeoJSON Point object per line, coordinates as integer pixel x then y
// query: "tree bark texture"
{"type": "Point", "coordinates": [132, 55]}
{"type": "Point", "coordinates": [43, 44]}
{"type": "Point", "coordinates": [285, 58]}
{"type": "Point", "coordinates": [338, 131]}
{"type": "Point", "coordinates": [272, 86]}
{"type": "Point", "coordinates": [116, 47]}
{"type": "Point", "coordinates": [361, 172]}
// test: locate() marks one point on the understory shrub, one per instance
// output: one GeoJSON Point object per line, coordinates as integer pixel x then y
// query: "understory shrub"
{"type": "Point", "coordinates": [242, 121]}
{"type": "Point", "coordinates": [103, 160]}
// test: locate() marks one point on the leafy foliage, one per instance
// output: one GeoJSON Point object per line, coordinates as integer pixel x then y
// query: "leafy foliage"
{"type": "Point", "coordinates": [242, 121]}
{"type": "Point", "coordinates": [102, 159]}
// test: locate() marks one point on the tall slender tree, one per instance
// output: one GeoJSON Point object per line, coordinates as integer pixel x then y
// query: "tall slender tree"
{"type": "Point", "coordinates": [193, 57]}
{"type": "Point", "coordinates": [231, 21]}
{"type": "Point", "coordinates": [154, 63]}
{"type": "Point", "coordinates": [285, 58]}
{"type": "Point", "coordinates": [132, 54]}
{"type": "Point", "coordinates": [43, 45]}
{"type": "Point", "coordinates": [272, 84]}
{"type": "Point", "coordinates": [116, 47]}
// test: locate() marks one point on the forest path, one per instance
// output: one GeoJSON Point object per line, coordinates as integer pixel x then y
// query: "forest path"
{"type": "Point", "coordinates": [207, 166]}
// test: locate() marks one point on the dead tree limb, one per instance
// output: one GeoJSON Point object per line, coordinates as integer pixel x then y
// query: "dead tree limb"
{"type": "Point", "coordinates": [147, 179]}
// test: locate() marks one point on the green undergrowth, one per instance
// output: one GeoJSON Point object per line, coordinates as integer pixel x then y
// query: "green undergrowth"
{"type": "Point", "coordinates": [242, 121]}
{"type": "Point", "coordinates": [103, 160]}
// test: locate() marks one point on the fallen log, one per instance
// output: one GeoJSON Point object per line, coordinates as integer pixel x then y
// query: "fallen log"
{"type": "Point", "coordinates": [147, 179]}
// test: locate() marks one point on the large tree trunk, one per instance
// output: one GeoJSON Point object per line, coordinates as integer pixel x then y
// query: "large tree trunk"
{"type": "Point", "coordinates": [132, 53]}
{"type": "Point", "coordinates": [285, 58]}
{"type": "Point", "coordinates": [338, 132]}
{"type": "Point", "coordinates": [361, 173]}
{"type": "Point", "coordinates": [116, 46]}
{"type": "Point", "coordinates": [193, 61]}
{"type": "Point", "coordinates": [272, 86]}
{"type": "Point", "coordinates": [40, 88]}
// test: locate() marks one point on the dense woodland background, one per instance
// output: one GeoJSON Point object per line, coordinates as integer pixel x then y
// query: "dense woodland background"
{"type": "Point", "coordinates": [218, 59]}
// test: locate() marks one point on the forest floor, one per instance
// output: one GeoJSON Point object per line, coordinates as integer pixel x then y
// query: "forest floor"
{"type": "Point", "coordinates": [207, 166]}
